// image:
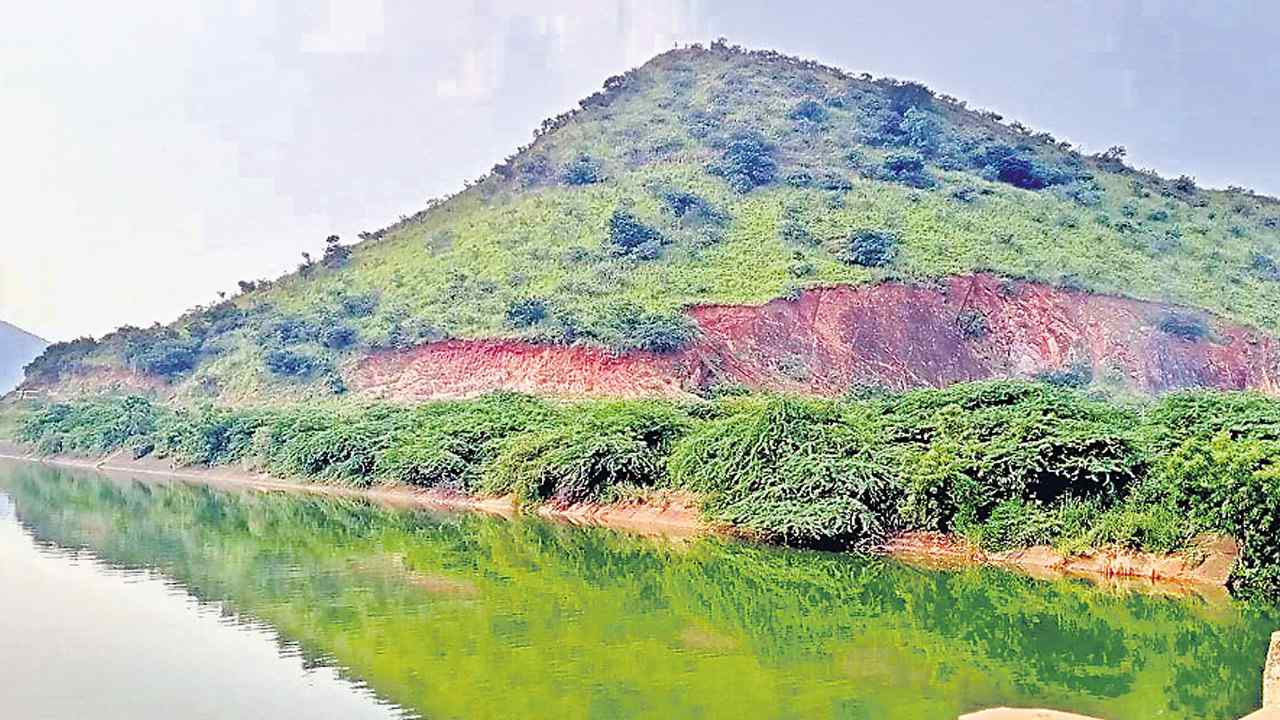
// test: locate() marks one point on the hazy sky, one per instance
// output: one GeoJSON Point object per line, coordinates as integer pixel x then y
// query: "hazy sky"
{"type": "Point", "coordinates": [153, 153]}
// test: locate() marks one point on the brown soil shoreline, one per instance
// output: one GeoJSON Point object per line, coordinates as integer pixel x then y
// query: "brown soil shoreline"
{"type": "Point", "coordinates": [675, 515]}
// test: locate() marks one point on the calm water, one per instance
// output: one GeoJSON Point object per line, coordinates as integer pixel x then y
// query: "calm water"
{"type": "Point", "coordinates": [146, 599]}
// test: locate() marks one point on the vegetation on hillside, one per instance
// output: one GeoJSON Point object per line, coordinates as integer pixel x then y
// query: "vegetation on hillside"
{"type": "Point", "coordinates": [717, 175]}
{"type": "Point", "coordinates": [1005, 464]}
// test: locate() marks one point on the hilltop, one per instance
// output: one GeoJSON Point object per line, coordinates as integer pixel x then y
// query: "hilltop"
{"type": "Point", "coordinates": [697, 226]}
{"type": "Point", "coordinates": [17, 348]}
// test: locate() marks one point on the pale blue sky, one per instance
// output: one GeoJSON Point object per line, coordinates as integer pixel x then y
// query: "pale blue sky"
{"type": "Point", "coordinates": [156, 152]}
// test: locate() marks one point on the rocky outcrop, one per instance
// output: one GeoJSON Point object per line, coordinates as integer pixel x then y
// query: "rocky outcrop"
{"type": "Point", "coordinates": [894, 335]}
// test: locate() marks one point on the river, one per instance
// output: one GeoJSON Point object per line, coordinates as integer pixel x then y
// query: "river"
{"type": "Point", "coordinates": [155, 598]}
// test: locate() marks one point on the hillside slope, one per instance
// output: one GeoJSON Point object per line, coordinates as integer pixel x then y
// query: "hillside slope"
{"type": "Point", "coordinates": [17, 348]}
{"type": "Point", "coordinates": [714, 178]}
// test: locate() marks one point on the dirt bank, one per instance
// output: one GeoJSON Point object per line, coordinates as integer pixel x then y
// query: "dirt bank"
{"type": "Point", "coordinates": [894, 335]}
{"type": "Point", "coordinates": [1202, 572]}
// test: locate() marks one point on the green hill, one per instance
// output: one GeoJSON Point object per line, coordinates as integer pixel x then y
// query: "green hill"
{"type": "Point", "coordinates": [17, 348]}
{"type": "Point", "coordinates": [721, 221]}
{"type": "Point", "coordinates": [716, 176]}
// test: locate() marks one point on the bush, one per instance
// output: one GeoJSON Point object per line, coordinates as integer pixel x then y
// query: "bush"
{"type": "Point", "coordinates": [972, 324]}
{"type": "Point", "coordinates": [95, 426]}
{"type": "Point", "coordinates": [1228, 486]}
{"type": "Point", "coordinates": [789, 469]}
{"type": "Point", "coordinates": [692, 209]}
{"type": "Point", "coordinates": [336, 254]}
{"type": "Point", "coordinates": [1008, 165]}
{"type": "Point", "coordinates": [208, 435]}
{"type": "Point", "coordinates": [868, 248]}
{"type": "Point", "coordinates": [1185, 327]}
{"type": "Point", "coordinates": [965, 449]}
{"type": "Point", "coordinates": [904, 96]}
{"type": "Point", "coordinates": [1078, 375]}
{"type": "Point", "coordinates": [1265, 265]}
{"type": "Point", "coordinates": [629, 236]}
{"type": "Point", "coordinates": [526, 312]}
{"type": "Point", "coordinates": [166, 357]}
{"type": "Point", "coordinates": [584, 170]}
{"type": "Point", "coordinates": [60, 359]}
{"type": "Point", "coordinates": [599, 447]}
{"type": "Point", "coordinates": [808, 111]}
{"type": "Point", "coordinates": [626, 326]}
{"type": "Point", "coordinates": [284, 362]}
{"type": "Point", "coordinates": [907, 168]}
{"type": "Point", "coordinates": [448, 444]}
{"type": "Point", "coordinates": [358, 306]}
{"type": "Point", "coordinates": [337, 336]}
{"type": "Point", "coordinates": [921, 130]}
{"type": "Point", "coordinates": [747, 162]}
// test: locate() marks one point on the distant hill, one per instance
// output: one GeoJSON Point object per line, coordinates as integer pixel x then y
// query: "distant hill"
{"type": "Point", "coordinates": [648, 223]}
{"type": "Point", "coordinates": [17, 348]}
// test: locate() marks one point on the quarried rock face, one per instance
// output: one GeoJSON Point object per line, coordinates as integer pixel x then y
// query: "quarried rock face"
{"type": "Point", "coordinates": [894, 335]}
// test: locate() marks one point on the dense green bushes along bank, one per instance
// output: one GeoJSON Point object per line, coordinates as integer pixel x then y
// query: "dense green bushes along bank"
{"type": "Point", "coordinates": [1005, 464]}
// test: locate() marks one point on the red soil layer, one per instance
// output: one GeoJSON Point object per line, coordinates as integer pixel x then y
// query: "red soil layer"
{"type": "Point", "coordinates": [894, 335]}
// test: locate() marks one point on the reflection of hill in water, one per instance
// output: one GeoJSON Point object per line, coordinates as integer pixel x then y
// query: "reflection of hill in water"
{"type": "Point", "coordinates": [463, 615]}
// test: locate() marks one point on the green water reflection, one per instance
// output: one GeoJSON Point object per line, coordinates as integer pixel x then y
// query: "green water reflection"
{"type": "Point", "coordinates": [464, 616]}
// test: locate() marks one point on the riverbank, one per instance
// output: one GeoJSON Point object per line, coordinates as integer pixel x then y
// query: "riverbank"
{"type": "Point", "coordinates": [1203, 571]}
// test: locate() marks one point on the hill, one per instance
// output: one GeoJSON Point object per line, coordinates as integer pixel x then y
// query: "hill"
{"type": "Point", "coordinates": [720, 222]}
{"type": "Point", "coordinates": [690, 228]}
{"type": "Point", "coordinates": [17, 348]}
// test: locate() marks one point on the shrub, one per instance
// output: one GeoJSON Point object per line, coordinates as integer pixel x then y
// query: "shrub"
{"type": "Point", "coordinates": [59, 359]}
{"type": "Point", "coordinates": [794, 232]}
{"type": "Point", "coordinates": [327, 444]}
{"type": "Point", "coordinates": [208, 435]}
{"type": "Point", "coordinates": [96, 426]}
{"type": "Point", "coordinates": [691, 209]}
{"type": "Point", "coordinates": [1265, 265]}
{"type": "Point", "coordinates": [166, 357]}
{"type": "Point", "coordinates": [788, 469]}
{"type": "Point", "coordinates": [967, 448]}
{"type": "Point", "coordinates": [808, 111]}
{"type": "Point", "coordinates": [599, 447]}
{"type": "Point", "coordinates": [526, 312]}
{"type": "Point", "coordinates": [336, 254]}
{"type": "Point", "coordinates": [629, 236]}
{"type": "Point", "coordinates": [747, 162]}
{"type": "Point", "coordinates": [1078, 375]}
{"type": "Point", "coordinates": [904, 96]}
{"type": "Point", "coordinates": [869, 248]}
{"type": "Point", "coordinates": [358, 306]}
{"type": "Point", "coordinates": [292, 329]}
{"type": "Point", "coordinates": [626, 326]}
{"type": "Point", "coordinates": [920, 130]}
{"type": "Point", "coordinates": [972, 324]}
{"type": "Point", "coordinates": [448, 444]}
{"type": "Point", "coordinates": [907, 168]}
{"type": "Point", "coordinates": [337, 336]}
{"type": "Point", "coordinates": [584, 170]}
{"type": "Point", "coordinates": [1228, 486]}
{"type": "Point", "coordinates": [284, 362]}
{"type": "Point", "coordinates": [1185, 327]}
{"type": "Point", "coordinates": [1008, 165]}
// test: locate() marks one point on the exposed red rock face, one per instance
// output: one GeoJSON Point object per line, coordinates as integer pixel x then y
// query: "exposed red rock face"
{"type": "Point", "coordinates": [895, 335]}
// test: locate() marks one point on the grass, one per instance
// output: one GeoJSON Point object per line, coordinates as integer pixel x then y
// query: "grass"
{"type": "Point", "coordinates": [1006, 464]}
